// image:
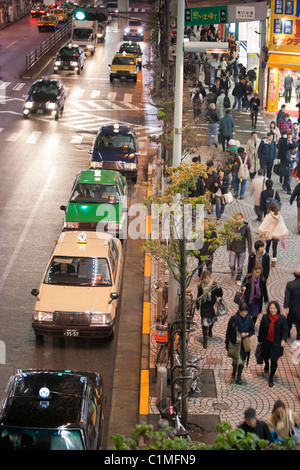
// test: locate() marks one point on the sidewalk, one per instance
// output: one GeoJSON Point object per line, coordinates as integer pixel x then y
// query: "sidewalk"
{"type": "Point", "coordinates": [220, 399]}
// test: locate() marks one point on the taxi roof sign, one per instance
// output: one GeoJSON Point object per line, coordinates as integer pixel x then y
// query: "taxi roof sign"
{"type": "Point", "coordinates": [82, 237]}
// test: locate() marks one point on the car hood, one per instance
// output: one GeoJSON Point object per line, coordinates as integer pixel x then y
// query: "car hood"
{"type": "Point", "coordinates": [78, 212]}
{"type": "Point", "coordinates": [74, 298]}
{"type": "Point", "coordinates": [112, 156]}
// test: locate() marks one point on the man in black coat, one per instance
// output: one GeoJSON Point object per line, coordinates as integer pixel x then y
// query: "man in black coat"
{"type": "Point", "coordinates": [296, 195]}
{"type": "Point", "coordinates": [251, 424]}
{"type": "Point", "coordinates": [259, 257]}
{"type": "Point", "coordinates": [237, 249]}
{"type": "Point", "coordinates": [268, 194]}
{"type": "Point", "coordinates": [292, 302]}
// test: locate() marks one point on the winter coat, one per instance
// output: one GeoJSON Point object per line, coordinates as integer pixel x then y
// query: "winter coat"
{"type": "Point", "coordinates": [263, 290]}
{"type": "Point", "coordinates": [292, 297]}
{"type": "Point", "coordinates": [272, 350]}
{"type": "Point", "coordinates": [239, 246]}
{"type": "Point", "coordinates": [273, 227]}
{"type": "Point", "coordinates": [288, 83]}
{"type": "Point", "coordinates": [265, 263]}
{"type": "Point", "coordinates": [265, 195]}
{"type": "Point", "coordinates": [239, 90]}
{"type": "Point", "coordinates": [231, 333]}
{"type": "Point", "coordinates": [226, 126]}
{"type": "Point", "coordinates": [257, 185]}
{"type": "Point", "coordinates": [207, 306]}
{"type": "Point", "coordinates": [220, 106]}
{"type": "Point", "coordinates": [252, 152]}
{"type": "Point", "coordinates": [212, 116]}
{"type": "Point", "coordinates": [284, 126]}
{"type": "Point", "coordinates": [237, 162]}
{"type": "Point", "coordinates": [267, 150]}
{"type": "Point", "coordinates": [292, 159]}
{"type": "Point", "coordinates": [296, 194]}
{"type": "Point", "coordinates": [223, 185]}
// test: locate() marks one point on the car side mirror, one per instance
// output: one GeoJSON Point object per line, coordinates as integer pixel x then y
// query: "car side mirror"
{"type": "Point", "coordinates": [90, 152]}
{"type": "Point", "coordinates": [35, 292]}
{"type": "Point", "coordinates": [113, 296]}
{"type": "Point", "coordinates": [63, 208]}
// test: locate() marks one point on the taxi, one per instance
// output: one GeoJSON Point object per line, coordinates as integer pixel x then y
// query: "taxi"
{"type": "Point", "coordinates": [60, 14]}
{"type": "Point", "coordinates": [116, 148]}
{"type": "Point", "coordinates": [69, 57]}
{"type": "Point", "coordinates": [47, 22]}
{"type": "Point", "coordinates": [39, 9]}
{"type": "Point", "coordinates": [98, 201]}
{"type": "Point", "coordinates": [133, 48]}
{"type": "Point", "coordinates": [78, 294]}
{"type": "Point", "coordinates": [52, 410]}
{"type": "Point", "coordinates": [123, 66]}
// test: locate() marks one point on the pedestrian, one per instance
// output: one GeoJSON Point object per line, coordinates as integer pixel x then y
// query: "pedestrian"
{"type": "Point", "coordinates": [280, 421]}
{"type": "Point", "coordinates": [220, 104]}
{"type": "Point", "coordinates": [248, 94]}
{"type": "Point", "coordinates": [259, 257]}
{"type": "Point", "coordinates": [225, 82]}
{"type": "Point", "coordinates": [284, 144]}
{"type": "Point", "coordinates": [253, 425]}
{"type": "Point", "coordinates": [258, 184]}
{"type": "Point", "coordinates": [292, 303]}
{"type": "Point", "coordinates": [288, 87]}
{"type": "Point", "coordinates": [252, 75]}
{"type": "Point", "coordinates": [267, 153]}
{"type": "Point", "coordinates": [272, 335]}
{"type": "Point", "coordinates": [205, 255]}
{"type": "Point", "coordinates": [226, 128]}
{"type": "Point", "coordinates": [292, 159]}
{"type": "Point", "coordinates": [209, 180]}
{"type": "Point", "coordinates": [239, 327]}
{"type": "Point", "coordinates": [208, 293]}
{"type": "Point", "coordinates": [284, 124]}
{"type": "Point", "coordinates": [241, 172]}
{"type": "Point", "coordinates": [295, 131]}
{"type": "Point", "coordinates": [239, 93]}
{"type": "Point", "coordinates": [216, 88]}
{"type": "Point", "coordinates": [213, 119]}
{"type": "Point", "coordinates": [297, 87]}
{"type": "Point", "coordinates": [266, 196]}
{"type": "Point", "coordinates": [197, 100]}
{"type": "Point", "coordinates": [237, 249]}
{"type": "Point", "coordinates": [220, 188]}
{"type": "Point", "coordinates": [275, 130]}
{"type": "Point", "coordinates": [255, 291]}
{"type": "Point", "coordinates": [281, 112]}
{"type": "Point", "coordinates": [272, 230]}
{"type": "Point", "coordinates": [254, 108]}
{"type": "Point", "coordinates": [252, 152]}
{"type": "Point", "coordinates": [296, 195]}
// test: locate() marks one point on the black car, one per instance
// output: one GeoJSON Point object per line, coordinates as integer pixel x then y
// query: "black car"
{"type": "Point", "coordinates": [52, 410]}
{"type": "Point", "coordinates": [39, 9]}
{"type": "Point", "coordinates": [116, 148]}
{"type": "Point", "coordinates": [70, 57]}
{"type": "Point", "coordinates": [45, 96]}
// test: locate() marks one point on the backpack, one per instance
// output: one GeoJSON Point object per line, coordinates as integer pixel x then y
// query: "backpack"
{"type": "Point", "coordinates": [272, 200]}
{"type": "Point", "coordinates": [243, 172]}
{"type": "Point", "coordinates": [226, 102]}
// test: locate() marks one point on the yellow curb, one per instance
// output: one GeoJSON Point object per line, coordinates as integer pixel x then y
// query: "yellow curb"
{"type": "Point", "coordinates": [146, 318]}
{"type": "Point", "coordinates": [144, 392]}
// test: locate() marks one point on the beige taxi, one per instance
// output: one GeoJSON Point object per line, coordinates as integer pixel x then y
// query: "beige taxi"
{"type": "Point", "coordinates": [61, 14]}
{"type": "Point", "coordinates": [79, 294]}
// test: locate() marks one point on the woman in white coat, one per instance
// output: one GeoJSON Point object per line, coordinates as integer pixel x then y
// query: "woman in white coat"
{"type": "Point", "coordinates": [272, 230]}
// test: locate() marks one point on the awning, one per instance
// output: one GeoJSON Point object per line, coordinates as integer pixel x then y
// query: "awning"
{"type": "Point", "coordinates": [290, 61]}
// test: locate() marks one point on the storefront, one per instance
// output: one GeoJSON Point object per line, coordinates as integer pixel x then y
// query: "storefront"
{"type": "Point", "coordinates": [283, 64]}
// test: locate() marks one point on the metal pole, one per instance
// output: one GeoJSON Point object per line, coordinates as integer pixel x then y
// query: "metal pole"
{"type": "Point", "coordinates": [177, 139]}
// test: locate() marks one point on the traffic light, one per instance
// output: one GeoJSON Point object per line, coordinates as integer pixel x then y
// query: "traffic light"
{"type": "Point", "coordinates": [90, 14]}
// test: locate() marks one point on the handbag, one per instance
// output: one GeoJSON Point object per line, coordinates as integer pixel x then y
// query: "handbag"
{"type": "Point", "coordinates": [277, 168]}
{"type": "Point", "coordinates": [258, 354]}
{"type": "Point", "coordinates": [294, 431]}
{"type": "Point", "coordinates": [239, 298]}
{"type": "Point", "coordinates": [220, 308]}
{"type": "Point", "coordinates": [227, 198]}
{"type": "Point", "coordinates": [233, 350]}
{"type": "Point", "coordinates": [250, 343]}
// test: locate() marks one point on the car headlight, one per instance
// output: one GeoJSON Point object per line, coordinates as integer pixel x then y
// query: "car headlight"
{"type": "Point", "coordinates": [71, 224]}
{"type": "Point", "coordinates": [140, 30]}
{"type": "Point", "coordinates": [132, 71]}
{"type": "Point", "coordinates": [130, 166]}
{"type": "Point", "coordinates": [28, 104]}
{"type": "Point", "coordinates": [126, 30]}
{"type": "Point", "coordinates": [43, 316]}
{"type": "Point", "coordinates": [96, 164]}
{"type": "Point", "coordinates": [73, 64]}
{"type": "Point", "coordinates": [100, 319]}
{"type": "Point", "coordinates": [50, 105]}
{"type": "Point", "coordinates": [112, 226]}
{"type": "Point", "coordinates": [57, 62]}
{"type": "Point", "coordinates": [99, 35]}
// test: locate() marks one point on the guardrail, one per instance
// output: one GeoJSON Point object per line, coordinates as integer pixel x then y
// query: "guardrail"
{"type": "Point", "coordinates": [46, 45]}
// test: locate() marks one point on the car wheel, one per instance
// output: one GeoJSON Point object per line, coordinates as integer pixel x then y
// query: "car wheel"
{"type": "Point", "coordinates": [140, 66]}
{"type": "Point", "coordinates": [112, 335]}
{"type": "Point", "coordinates": [39, 338]}
{"type": "Point", "coordinates": [134, 79]}
{"type": "Point", "coordinates": [57, 116]}
{"type": "Point", "coordinates": [79, 71]}
{"type": "Point", "coordinates": [26, 116]}
{"type": "Point", "coordinates": [111, 79]}
{"type": "Point", "coordinates": [40, 30]}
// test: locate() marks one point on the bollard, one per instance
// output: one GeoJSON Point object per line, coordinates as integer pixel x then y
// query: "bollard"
{"type": "Point", "coordinates": [161, 396]}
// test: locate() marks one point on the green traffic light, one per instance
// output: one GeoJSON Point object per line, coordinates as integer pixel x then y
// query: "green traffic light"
{"type": "Point", "coordinates": [80, 15]}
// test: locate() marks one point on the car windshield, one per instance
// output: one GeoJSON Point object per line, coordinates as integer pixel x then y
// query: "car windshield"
{"type": "Point", "coordinates": [68, 53]}
{"type": "Point", "coordinates": [131, 49]}
{"type": "Point", "coordinates": [83, 33]}
{"type": "Point", "coordinates": [114, 142]}
{"type": "Point", "coordinates": [16, 438]}
{"type": "Point", "coordinates": [134, 23]}
{"type": "Point", "coordinates": [78, 272]}
{"type": "Point", "coordinates": [123, 61]}
{"type": "Point", "coordinates": [96, 194]}
{"type": "Point", "coordinates": [44, 92]}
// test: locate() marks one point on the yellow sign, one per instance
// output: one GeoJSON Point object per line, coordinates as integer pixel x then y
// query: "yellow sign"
{"type": "Point", "coordinates": [285, 26]}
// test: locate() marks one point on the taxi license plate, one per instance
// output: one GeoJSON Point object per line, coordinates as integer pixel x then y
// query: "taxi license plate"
{"type": "Point", "coordinates": [71, 333]}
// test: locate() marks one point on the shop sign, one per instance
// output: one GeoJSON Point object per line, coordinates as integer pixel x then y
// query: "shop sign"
{"type": "Point", "coordinates": [245, 13]}
{"type": "Point", "coordinates": [205, 15]}
{"type": "Point", "coordinates": [285, 26]}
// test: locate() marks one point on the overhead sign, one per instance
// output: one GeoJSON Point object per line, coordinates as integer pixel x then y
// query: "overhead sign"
{"type": "Point", "coordinates": [205, 15]}
{"type": "Point", "coordinates": [285, 26]}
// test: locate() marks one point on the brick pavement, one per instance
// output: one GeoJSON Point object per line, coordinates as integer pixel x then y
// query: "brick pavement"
{"type": "Point", "coordinates": [227, 401]}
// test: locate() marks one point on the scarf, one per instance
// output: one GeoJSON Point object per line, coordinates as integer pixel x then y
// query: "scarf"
{"type": "Point", "coordinates": [255, 289]}
{"type": "Point", "coordinates": [273, 319]}
{"type": "Point", "coordinates": [206, 288]}
{"type": "Point", "coordinates": [242, 323]}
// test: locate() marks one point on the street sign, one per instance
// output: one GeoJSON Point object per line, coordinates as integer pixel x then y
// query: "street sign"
{"type": "Point", "coordinates": [205, 15]}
